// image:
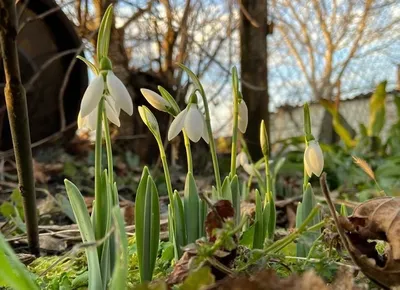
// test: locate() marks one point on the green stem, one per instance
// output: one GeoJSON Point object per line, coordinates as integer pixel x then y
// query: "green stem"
{"type": "Point", "coordinates": [234, 131]}
{"type": "Point", "coordinates": [163, 157]}
{"type": "Point", "coordinates": [188, 152]}
{"type": "Point", "coordinates": [267, 175]}
{"type": "Point", "coordinates": [212, 145]}
{"type": "Point", "coordinates": [98, 195]}
{"type": "Point", "coordinates": [110, 163]}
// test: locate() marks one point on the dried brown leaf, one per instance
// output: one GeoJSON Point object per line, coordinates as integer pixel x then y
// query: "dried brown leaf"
{"type": "Point", "coordinates": [376, 219]}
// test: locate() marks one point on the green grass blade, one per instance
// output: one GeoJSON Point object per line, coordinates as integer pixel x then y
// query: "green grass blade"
{"type": "Point", "coordinates": [191, 208]}
{"type": "Point", "coordinates": [120, 273]}
{"type": "Point", "coordinates": [180, 234]}
{"type": "Point", "coordinates": [87, 234]}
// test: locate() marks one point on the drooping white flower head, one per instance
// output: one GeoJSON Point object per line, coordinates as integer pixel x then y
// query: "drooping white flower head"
{"type": "Point", "coordinates": [313, 159]}
{"type": "Point", "coordinates": [155, 100]}
{"type": "Point", "coordinates": [117, 99]}
{"type": "Point", "coordinates": [192, 120]}
{"type": "Point", "coordinates": [119, 93]}
{"type": "Point", "coordinates": [243, 116]}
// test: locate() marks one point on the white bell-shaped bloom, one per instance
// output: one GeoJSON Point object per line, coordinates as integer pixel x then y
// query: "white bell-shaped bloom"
{"type": "Point", "coordinates": [119, 93]}
{"type": "Point", "coordinates": [192, 120]}
{"type": "Point", "coordinates": [243, 117]}
{"type": "Point", "coordinates": [92, 96]}
{"type": "Point", "coordinates": [155, 100]}
{"type": "Point", "coordinates": [313, 159]}
{"type": "Point", "coordinates": [251, 169]}
{"type": "Point", "coordinates": [90, 120]}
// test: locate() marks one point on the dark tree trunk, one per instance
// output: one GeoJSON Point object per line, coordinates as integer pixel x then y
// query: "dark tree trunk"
{"type": "Point", "coordinates": [253, 53]}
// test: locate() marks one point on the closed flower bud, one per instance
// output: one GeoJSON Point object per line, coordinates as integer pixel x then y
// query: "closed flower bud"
{"type": "Point", "coordinates": [149, 119]}
{"type": "Point", "coordinates": [155, 100]}
{"type": "Point", "coordinates": [264, 139]}
{"type": "Point", "coordinates": [243, 117]}
{"type": "Point", "coordinates": [313, 159]}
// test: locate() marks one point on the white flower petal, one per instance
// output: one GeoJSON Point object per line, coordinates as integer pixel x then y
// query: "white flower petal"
{"type": "Point", "coordinates": [205, 131]}
{"type": "Point", "coordinates": [92, 95]}
{"type": "Point", "coordinates": [194, 123]}
{"type": "Point", "coordinates": [92, 120]}
{"type": "Point", "coordinates": [155, 100]}
{"type": "Point", "coordinates": [306, 167]}
{"type": "Point", "coordinates": [249, 169]}
{"type": "Point", "coordinates": [112, 114]}
{"type": "Point", "coordinates": [241, 159]}
{"type": "Point", "coordinates": [119, 93]}
{"type": "Point", "coordinates": [81, 121]}
{"type": "Point", "coordinates": [314, 158]}
{"type": "Point", "coordinates": [177, 125]}
{"type": "Point", "coordinates": [243, 117]}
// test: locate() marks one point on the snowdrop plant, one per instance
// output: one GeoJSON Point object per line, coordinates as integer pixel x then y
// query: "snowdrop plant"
{"type": "Point", "coordinates": [313, 164]}
{"type": "Point", "coordinates": [104, 230]}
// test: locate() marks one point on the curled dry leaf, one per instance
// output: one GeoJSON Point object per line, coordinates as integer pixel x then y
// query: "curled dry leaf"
{"type": "Point", "coordinates": [222, 210]}
{"type": "Point", "coordinates": [376, 219]}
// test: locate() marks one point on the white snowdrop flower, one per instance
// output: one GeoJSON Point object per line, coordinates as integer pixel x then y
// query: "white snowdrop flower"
{"type": "Point", "coordinates": [243, 117]}
{"type": "Point", "coordinates": [148, 118]}
{"type": "Point", "coordinates": [251, 169]}
{"type": "Point", "coordinates": [313, 159]}
{"type": "Point", "coordinates": [119, 93]}
{"type": "Point", "coordinates": [192, 120]}
{"type": "Point", "coordinates": [89, 121]}
{"type": "Point", "coordinates": [92, 96]}
{"type": "Point", "coordinates": [155, 100]}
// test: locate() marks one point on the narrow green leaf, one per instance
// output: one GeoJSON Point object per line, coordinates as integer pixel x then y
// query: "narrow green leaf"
{"type": "Point", "coordinates": [14, 274]}
{"type": "Point", "coordinates": [191, 207]}
{"type": "Point", "coordinates": [87, 234]}
{"type": "Point", "coordinates": [155, 225]}
{"type": "Point", "coordinates": [202, 218]}
{"type": "Point", "coordinates": [259, 231]}
{"type": "Point", "coordinates": [179, 224]}
{"type": "Point", "coordinates": [343, 210]}
{"type": "Point", "coordinates": [377, 110]}
{"type": "Point", "coordinates": [214, 193]}
{"type": "Point", "coordinates": [236, 198]}
{"type": "Point", "coordinates": [226, 189]}
{"type": "Point", "coordinates": [300, 248]}
{"type": "Point", "coordinates": [120, 274]}
{"type": "Point", "coordinates": [271, 216]}
{"type": "Point", "coordinates": [171, 232]}
{"type": "Point", "coordinates": [105, 259]}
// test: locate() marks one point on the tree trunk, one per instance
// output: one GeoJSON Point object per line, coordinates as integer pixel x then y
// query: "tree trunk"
{"type": "Point", "coordinates": [253, 53]}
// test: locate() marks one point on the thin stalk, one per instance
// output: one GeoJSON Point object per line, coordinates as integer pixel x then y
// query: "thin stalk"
{"type": "Point", "coordinates": [98, 195]}
{"type": "Point", "coordinates": [267, 175]}
{"type": "Point", "coordinates": [314, 245]}
{"type": "Point", "coordinates": [234, 131]}
{"type": "Point", "coordinates": [212, 145]}
{"type": "Point", "coordinates": [110, 162]}
{"type": "Point", "coordinates": [15, 98]}
{"type": "Point", "coordinates": [163, 157]}
{"type": "Point", "coordinates": [188, 152]}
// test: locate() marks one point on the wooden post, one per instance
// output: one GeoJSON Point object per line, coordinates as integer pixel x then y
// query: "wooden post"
{"type": "Point", "coordinates": [18, 117]}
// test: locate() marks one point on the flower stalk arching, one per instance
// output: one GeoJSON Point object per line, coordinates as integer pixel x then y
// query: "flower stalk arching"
{"type": "Point", "coordinates": [236, 97]}
{"type": "Point", "coordinates": [213, 150]}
